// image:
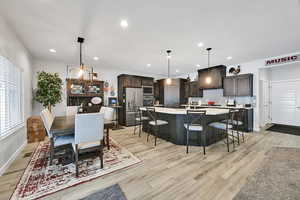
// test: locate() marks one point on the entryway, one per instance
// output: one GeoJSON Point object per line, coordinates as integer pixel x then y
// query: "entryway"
{"type": "Point", "coordinates": [285, 102]}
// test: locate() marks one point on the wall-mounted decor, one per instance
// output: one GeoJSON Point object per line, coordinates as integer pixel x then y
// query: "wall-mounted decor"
{"type": "Point", "coordinates": [283, 60]}
{"type": "Point", "coordinates": [235, 71]}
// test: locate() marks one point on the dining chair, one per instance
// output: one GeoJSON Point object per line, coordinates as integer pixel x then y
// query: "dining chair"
{"type": "Point", "coordinates": [71, 110]}
{"type": "Point", "coordinates": [138, 121]}
{"type": "Point", "coordinates": [57, 142]}
{"type": "Point", "coordinates": [226, 127]}
{"type": "Point", "coordinates": [154, 122]}
{"type": "Point", "coordinates": [195, 123]}
{"type": "Point", "coordinates": [89, 131]}
{"type": "Point", "coordinates": [108, 113]}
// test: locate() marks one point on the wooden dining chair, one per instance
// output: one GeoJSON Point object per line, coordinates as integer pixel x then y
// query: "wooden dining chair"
{"type": "Point", "coordinates": [58, 142]}
{"type": "Point", "coordinates": [89, 130]}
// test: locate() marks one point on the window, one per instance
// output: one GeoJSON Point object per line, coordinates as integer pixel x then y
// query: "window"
{"type": "Point", "coordinates": [11, 97]}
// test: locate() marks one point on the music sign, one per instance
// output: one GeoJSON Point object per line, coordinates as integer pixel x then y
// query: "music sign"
{"type": "Point", "coordinates": [282, 60]}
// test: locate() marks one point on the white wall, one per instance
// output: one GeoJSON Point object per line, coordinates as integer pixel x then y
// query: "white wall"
{"type": "Point", "coordinates": [13, 49]}
{"type": "Point", "coordinates": [285, 72]}
{"type": "Point", "coordinates": [104, 74]}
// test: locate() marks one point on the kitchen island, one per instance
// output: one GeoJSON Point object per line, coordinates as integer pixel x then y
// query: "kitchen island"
{"type": "Point", "coordinates": [176, 133]}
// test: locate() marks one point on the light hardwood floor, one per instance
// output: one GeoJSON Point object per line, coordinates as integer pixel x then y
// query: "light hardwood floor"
{"type": "Point", "coordinates": [167, 172]}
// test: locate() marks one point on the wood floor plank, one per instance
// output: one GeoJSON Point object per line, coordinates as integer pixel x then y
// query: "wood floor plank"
{"type": "Point", "coordinates": [167, 172]}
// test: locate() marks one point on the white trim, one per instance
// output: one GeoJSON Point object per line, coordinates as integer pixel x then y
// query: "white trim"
{"type": "Point", "coordinates": [284, 81]}
{"type": "Point", "coordinates": [12, 131]}
{"type": "Point", "coordinates": [12, 158]}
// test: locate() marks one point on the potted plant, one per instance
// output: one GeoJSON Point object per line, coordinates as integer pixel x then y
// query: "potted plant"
{"type": "Point", "coordinates": [49, 88]}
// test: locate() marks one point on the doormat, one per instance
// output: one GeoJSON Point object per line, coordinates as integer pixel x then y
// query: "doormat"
{"type": "Point", "coordinates": [293, 130]}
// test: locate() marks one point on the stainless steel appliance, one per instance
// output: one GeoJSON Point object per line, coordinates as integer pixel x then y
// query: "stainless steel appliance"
{"type": "Point", "coordinates": [148, 96]}
{"type": "Point", "coordinates": [133, 100]}
{"type": "Point", "coordinates": [148, 100]}
{"type": "Point", "coordinates": [148, 90]}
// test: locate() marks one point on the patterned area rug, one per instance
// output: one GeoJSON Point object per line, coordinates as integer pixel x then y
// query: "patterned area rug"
{"type": "Point", "coordinates": [40, 179]}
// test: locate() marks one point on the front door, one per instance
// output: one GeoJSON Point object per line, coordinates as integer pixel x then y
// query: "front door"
{"type": "Point", "coordinates": [286, 102]}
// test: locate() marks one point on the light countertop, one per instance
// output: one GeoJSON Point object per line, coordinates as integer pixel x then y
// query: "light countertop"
{"type": "Point", "coordinates": [223, 106]}
{"type": "Point", "coordinates": [182, 111]}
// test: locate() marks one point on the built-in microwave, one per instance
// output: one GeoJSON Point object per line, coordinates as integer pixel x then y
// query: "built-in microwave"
{"type": "Point", "coordinates": [147, 90]}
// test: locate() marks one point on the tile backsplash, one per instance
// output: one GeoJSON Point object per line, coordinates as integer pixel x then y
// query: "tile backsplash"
{"type": "Point", "coordinates": [216, 95]}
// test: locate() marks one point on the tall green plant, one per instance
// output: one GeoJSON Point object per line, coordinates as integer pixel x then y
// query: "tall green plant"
{"type": "Point", "coordinates": [49, 88]}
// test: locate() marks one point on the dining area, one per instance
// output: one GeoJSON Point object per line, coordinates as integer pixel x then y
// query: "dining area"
{"type": "Point", "coordinates": [81, 131]}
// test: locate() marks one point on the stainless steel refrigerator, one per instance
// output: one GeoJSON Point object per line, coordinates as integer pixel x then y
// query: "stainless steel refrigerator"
{"type": "Point", "coordinates": [133, 100]}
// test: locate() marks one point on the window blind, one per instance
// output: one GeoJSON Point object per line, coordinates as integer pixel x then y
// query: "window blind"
{"type": "Point", "coordinates": [11, 97]}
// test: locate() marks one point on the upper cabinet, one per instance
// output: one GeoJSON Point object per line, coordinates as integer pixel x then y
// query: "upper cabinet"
{"type": "Point", "coordinates": [211, 78]}
{"type": "Point", "coordinates": [241, 85]}
{"type": "Point", "coordinates": [147, 81]}
{"type": "Point", "coordinates": [194, 90]}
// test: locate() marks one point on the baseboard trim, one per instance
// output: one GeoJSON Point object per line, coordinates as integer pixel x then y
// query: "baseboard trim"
{"type": "Point", "coordinates": [12, 158]}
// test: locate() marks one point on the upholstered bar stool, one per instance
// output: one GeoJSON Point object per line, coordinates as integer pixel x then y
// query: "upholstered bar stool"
{"type": "Point", "coordinates": [225, 126]}
{"type": "Point", "coordinates": [155, 123]}
{"type": "Point", "coordinates": [139, 119]}
{"type": "Point", "coordinates": [194, 122]}
{"type": "Point", "coordinates": [238, 124]}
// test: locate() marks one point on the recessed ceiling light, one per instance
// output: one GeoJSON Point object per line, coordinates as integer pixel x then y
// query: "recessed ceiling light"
{"type": "Point", "coordinates": [148, 65]}
{"type": "Point", "coordinates": [229, 58]}
{"type": "Point", "coordinates": [52, 50]}
{"type": "Point", "coordinates": [96, 58]}
{"type": "Point", "coordinates": [177, 70]}
{"type": "Point", "coordinates": [124, 23]}
{"type": "Point", "coordinates": [198, 65]}
{"type": "Point", "coordinates": [200, 44]}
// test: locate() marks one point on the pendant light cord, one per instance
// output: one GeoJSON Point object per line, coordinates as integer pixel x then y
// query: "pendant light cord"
{"type": "Point", "coordinates": [168, 67]}
{"type": "Point", "coordinates": [168, 52]}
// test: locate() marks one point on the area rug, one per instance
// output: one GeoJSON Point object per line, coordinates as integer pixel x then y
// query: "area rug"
{"type": "Point", "coordinates": [278, 177]}
{"type": "Point", "coordinates": [40, 179]}
{"type": "Point", "coordinates": [293, 130]}
{"type": "Point", "coordinates": [113, 192]}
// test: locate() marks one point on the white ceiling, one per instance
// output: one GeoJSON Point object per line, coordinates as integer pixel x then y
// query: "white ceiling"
{"type": "Point", "coordinates": [244, 29]}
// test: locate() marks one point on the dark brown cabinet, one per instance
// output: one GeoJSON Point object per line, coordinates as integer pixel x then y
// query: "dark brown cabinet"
{"type": "Point", "coordinates": [129, 81]}
{"type": "Point", "coordinates": [194, 90]}
{"type": "Point", "coordinates": [212, 77]}
{"type": "Point", "coordinates": [229, 86]}
{"type": "Point", "coordinates": [241, 85]}
{"type": "Point", "coordinates": [147, 81]}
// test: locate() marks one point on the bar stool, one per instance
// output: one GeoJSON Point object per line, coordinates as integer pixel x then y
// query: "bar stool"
{"type": "Point", "coordinates": [155, 122]}
{"type": "Point", "coordinates": [194, 121]}
{"type": "Point", "coordinates": [238, 123]}
{"type": "Point", "coordinates": [226, 126]}
{"type": "Point", "coordinates": [139, 119]}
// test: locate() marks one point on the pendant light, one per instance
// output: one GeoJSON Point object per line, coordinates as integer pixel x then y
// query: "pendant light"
{"type": "Point", "coordinates": [208, 79]}
{"type": "Point", "coordinates": [81, 67]}
{"type": "Point", "coordinates": [169, 80]}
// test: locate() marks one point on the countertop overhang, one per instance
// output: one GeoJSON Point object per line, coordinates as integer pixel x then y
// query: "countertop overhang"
{"type": "Point", "coordinates": [182, 111]}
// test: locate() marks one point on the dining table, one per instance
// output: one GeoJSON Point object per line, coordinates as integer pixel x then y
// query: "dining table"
{"type": "Point", "coordinates": [65, 125]}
